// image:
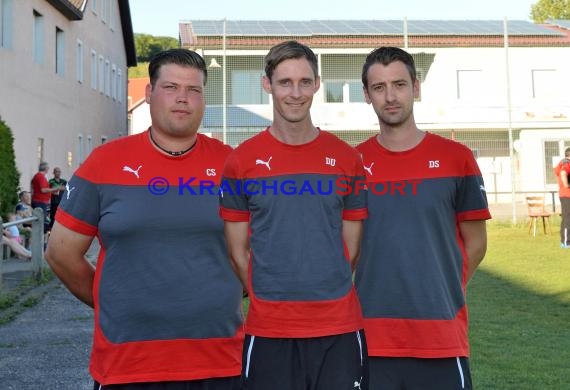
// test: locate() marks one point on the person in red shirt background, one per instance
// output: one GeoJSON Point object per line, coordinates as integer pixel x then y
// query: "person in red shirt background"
{"type": "Point", "coordinates": [41, 192]}
{"type": "Point", "coordinates": [562, 171]}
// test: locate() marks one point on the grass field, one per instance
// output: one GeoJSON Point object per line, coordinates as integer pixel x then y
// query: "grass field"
{"type": "Point", "coordinates": [519, 306]}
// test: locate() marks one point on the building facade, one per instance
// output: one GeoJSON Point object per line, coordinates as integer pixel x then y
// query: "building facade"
{"type": "Point", "coordinates": [483, 83]}
{"type": "Point", "coordinates": [63, 77]}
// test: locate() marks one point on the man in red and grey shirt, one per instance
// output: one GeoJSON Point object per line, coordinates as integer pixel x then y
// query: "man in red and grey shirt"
{"type": "Point", "coordinates": [562, 171]}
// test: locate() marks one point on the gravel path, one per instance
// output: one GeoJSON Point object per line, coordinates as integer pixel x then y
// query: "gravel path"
{"type": "Point", "coordinates": [47, 346]}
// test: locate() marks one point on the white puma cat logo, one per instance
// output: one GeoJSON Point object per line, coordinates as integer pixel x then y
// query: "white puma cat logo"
{"type": "Point", "coordinates": [68, 190]}
{"type": "Point", "coordinates": [266, 163]}
{"type": "Point", "coordinates": [131, 170]}
{"type": "Point", "coordinates": [369, 169]}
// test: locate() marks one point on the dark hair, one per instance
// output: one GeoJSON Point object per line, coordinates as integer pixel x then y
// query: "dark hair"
{"type": "Point", "coordinates": [385, 55]}
{"type": "Point", "coordinates": [286, 51]}
{"type": "Point", "coordinates": [567, 152]}
{"type": "Point", "coordinates": [182, 57]}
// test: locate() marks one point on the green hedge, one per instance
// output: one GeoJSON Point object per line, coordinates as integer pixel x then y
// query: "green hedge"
{"type": "Point", "coordinates": [9, 175]}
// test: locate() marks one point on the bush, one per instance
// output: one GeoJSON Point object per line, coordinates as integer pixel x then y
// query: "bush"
{"type": "Point", "coordinates": [9, 175]}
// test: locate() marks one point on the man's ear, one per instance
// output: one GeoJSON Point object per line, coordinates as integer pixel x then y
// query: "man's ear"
{"type": "Point", "coordinates": [366, 97]}
{"type": "Point", "coordinates": [147, 92]}
{"type": "Point", "coordinates": [266, 84]}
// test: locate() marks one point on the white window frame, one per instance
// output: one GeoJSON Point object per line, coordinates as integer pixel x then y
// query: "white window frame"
{"type": "Point", "coordinates": [6, 23]}
{"type": "Point", "coordinates": [114, 81]}
{"type": "Point", "coordinates": [469, 81]}
{"type": "Point", "coordinates": [89, 145]}
{"type": "Point", "coordinates": [80, 149]}
{"type": "Point", "coordinates": [79, 67]}
{"type": "Point", "coordinates": [38, 37]}
{"type": "Point", "coordinates": [107, 76]}
{"type": "Point", "coordinates": [101, 73]}
{"type": "Point", "coordinates": [112, 16]}
{"type": "Point", "coordinates": [93, 69]}
{"type": "Point", "coordinates": [120, 85]}
{"type": "Point", "coordinates": [59, 51]}
{"type": "Point", "coordinates": [544, 84]}
{"type": "Point", "coordinates": [104, 7]}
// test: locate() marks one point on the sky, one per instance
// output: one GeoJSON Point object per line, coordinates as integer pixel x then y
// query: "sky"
{"type": "Point", "coordinates": [161, 18]}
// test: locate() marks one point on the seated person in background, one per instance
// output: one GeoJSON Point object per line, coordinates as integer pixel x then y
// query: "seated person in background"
{"type": "Point", "coordinates": [24, 210]}
{"type": "Point", "coordinates": [14, 245]}
{"type": "Point", "coordinates": [12, 231]}
{"type": "Point", "coordinates": [24, 206]}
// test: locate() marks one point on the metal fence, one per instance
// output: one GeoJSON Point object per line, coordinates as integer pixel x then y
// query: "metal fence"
{"type": "Point", "coordinates": [36, 241]}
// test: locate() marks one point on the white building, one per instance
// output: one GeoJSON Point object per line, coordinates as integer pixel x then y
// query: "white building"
{"type": "Point", "coordinates": [63, 78]}
{"type": "Point", "coordinates": [483, 83]}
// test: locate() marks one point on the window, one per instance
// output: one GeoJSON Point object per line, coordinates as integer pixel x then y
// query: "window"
{"type": "Point", "coordinates": [107, 77]}
{"type": "Point", "coordinates": [79, 61]}
{"type": "Point", "coordinates": [247, 87]}
{"type": "Point", "coordinates": [94, 5]}
{"type": "Point", "coordinates": [343, 91]}
{"type": "Point", "coordinates": [334, 91]}
{"type": "Point", "coordinates": [104, 7]}
{"type": "Point", "coordinates": [100, 74]}
{"type": "Point", "coordinates": [94, 69]}
{"type": "Point", "coordinates": [114, 81]}
{"type": "Point", "coordinates": [40, 149]}
{"type": "Point", "coordinates": [80, 150]}
{"type": "Point", "coordinates": [59, 51]}
{"type": "Point", "coordinates": [112, 16]}
{"type": "Point", "coordinates": [119, 85]}
{"type": "Point", "coordinates": [6, 23]}
{"type": "Point", "coordinates": [550, 151]}
{"type": "Point", "coordinates": [38, 44]}
{"type": "Point", "coordinates": [545, 84]}
{"type": "Point", "coordinates": [470, 85]}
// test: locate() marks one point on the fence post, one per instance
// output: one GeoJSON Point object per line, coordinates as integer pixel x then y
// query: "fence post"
{"type": "Point", "coordinates": [37, 242]}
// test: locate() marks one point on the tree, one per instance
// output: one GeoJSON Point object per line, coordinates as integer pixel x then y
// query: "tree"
{"type": "Point", "coordinates": [147, 45]}
{"type": "Point", "coordinates": [550, 9]}
{"type": "Point", "coordinates": [9, 175]}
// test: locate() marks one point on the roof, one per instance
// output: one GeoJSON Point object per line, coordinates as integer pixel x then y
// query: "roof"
{"type": "Point", "coordinates": [565, 24]}
{"type": "Point", "coordinates": [364, 27]}
{"type": "Point", "coordinates": [127, 28]}
{"type": "Point", "coordinates": [236, 117]}
{"type": "Point", "coordinates": [136, 91]}
{"type": "Point", "coordinates": [365, 33]}
{"type": "Point", "coordinates": [71, 9]}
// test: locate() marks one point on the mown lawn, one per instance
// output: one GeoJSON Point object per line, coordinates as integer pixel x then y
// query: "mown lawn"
{"type": "Point", "coordinates": [519, 303]}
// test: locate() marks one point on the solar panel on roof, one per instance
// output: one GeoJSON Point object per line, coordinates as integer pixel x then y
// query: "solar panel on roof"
{"type": "Point", "coordinates": [373, 27]}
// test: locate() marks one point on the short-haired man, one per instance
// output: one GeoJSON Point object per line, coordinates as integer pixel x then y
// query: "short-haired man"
{"type": "Point", "coordinates": [167, 303]}
{"type": "Point", "coordinates": [422, 242]}
{"type": "Point", "coordinates": [41, 192]}
{"type": "Point", "coordinates": [59, 183]}
{"type": "Point", "coordinates": [303, 329]}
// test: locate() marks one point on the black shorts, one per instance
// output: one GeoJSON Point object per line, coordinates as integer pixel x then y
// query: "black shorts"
{"type": "Point", "coordinates": [226, 383]}
{"type": "Point", "coordinates": [425, 374]}
{"type": "Point", "coordinates": [317, 363]}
